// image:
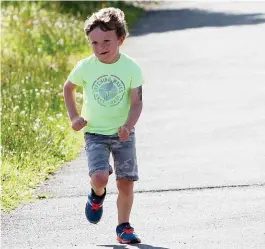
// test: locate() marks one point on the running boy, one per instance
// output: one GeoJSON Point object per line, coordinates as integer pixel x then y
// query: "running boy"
{"type": "Point", "coordinates": [112, 86]}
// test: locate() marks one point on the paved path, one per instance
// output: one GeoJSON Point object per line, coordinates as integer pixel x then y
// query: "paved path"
{"type": "Point", "coordinates": [201, 141]}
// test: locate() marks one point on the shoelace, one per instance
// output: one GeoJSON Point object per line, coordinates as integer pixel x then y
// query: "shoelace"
{"type": "Point", "coordinates": [96, 206]}
{"type": "Point", "coordinates": [128, 230]}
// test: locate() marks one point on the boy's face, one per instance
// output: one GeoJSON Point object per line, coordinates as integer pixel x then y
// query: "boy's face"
{"type": "Point", "coordinates": [105, 44]}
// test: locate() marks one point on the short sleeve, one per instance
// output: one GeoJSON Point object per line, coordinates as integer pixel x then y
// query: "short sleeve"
{"type": "Point", "coordinates": [76, 75]}
{"type": "Point", "coordinates": [137, 77]}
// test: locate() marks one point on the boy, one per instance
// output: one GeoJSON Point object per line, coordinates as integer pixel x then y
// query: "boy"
{"type": "Point", "coordinates": [112, 84]}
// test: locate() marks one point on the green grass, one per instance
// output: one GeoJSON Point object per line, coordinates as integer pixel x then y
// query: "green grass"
{"type": "Point", "coordinates": [40, 44]}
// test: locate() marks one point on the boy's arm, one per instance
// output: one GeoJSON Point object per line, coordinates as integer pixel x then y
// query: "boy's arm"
{"type": "Point", "coordinates": [69, 92]}
{"type": "Point", "coordinates": [134, 113]}
{"type": "Point", "coordinates": [136, 107]}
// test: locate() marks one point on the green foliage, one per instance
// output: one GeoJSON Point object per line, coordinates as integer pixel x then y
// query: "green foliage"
{"type": "Point", "coordinates": [41, 42]}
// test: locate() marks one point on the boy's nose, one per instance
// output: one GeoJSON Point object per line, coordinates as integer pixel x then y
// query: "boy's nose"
{"type": "Point", "coordinates": [102, 45]}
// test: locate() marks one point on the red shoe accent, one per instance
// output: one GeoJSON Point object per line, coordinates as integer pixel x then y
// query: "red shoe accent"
{"type": "Point", "coordinates": [128, 230]}
{"type": "Point", "coordinates": [96, 206]}
{"type": "Point", "coordinates": [122, 241]}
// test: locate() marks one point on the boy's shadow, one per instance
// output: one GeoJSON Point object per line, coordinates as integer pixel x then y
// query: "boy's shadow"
{"type": "Point", "coordinates": [140, 246]}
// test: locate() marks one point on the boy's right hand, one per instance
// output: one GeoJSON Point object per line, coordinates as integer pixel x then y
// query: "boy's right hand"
{"type": "Point", "coordinates": [78, 123]}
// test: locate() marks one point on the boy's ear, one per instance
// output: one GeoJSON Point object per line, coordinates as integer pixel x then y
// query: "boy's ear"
{"type": "Point", "coordinates": [121, 40]}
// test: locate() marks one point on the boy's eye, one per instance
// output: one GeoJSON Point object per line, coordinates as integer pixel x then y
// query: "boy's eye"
{"type": "Point", "coordinates": [94, 43]}
{"type": "Point", "coordinates": [106, 41]}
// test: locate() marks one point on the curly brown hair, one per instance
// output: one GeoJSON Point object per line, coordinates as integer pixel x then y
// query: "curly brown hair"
{"type": "Point", "coordinates": [107, 19]}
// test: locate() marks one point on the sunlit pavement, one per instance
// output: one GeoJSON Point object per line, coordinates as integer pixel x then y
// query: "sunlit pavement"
{"type": "Point", "coordinates": [200, 141]}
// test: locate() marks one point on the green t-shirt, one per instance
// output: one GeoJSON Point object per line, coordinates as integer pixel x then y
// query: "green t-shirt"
{"type": "Point", "coordinates": [106, 91]}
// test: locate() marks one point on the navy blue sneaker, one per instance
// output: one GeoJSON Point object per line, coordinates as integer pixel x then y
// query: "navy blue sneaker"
{"type": "Point", "coordinates": [94, 207]}
{"type": "Point", "coordinates": [126, 235]}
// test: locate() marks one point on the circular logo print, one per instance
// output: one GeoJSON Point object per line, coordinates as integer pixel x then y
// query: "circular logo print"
{"type": "Point", "coordinates": [108, 90]}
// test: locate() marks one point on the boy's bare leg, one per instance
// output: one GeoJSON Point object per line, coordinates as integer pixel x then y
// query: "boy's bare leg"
{"type": "Point", "coordinates": [125, 200]}
{"type": "Point", "coordinates": [99, 181]}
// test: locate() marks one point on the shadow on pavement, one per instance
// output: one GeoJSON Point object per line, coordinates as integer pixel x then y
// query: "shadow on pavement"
{"type": "Point", "coordinates": [140, 246]}
{"type": "Point", "coordinates": [156, 21]}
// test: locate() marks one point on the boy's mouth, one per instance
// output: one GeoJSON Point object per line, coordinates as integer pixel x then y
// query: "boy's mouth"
{"type": "Point", "coordinates": [103, 53]}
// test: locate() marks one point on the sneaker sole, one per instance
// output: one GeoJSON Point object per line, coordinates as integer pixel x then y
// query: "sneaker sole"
{"type": "Point", "coordinates": [121, 241]}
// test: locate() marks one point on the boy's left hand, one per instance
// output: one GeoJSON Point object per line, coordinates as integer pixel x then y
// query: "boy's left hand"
{"type": "Point", "coordinates": [124, 133]}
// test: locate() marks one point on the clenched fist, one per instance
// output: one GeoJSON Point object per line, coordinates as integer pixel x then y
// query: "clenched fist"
{"type": "Point", "coordinates": [78, 123]}
{"type": "Point", "coordinates": [123, 133]}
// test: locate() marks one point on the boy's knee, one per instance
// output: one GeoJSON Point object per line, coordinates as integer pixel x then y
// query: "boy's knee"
{"type": "Point", "coordinates": [100, 179]}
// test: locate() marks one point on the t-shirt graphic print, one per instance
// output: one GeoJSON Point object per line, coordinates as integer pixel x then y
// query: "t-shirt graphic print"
{"type": "Point", "coordinates": [108, 90]}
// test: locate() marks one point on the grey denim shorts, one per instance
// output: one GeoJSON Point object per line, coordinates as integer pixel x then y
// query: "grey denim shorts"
{"type": "Point", "coordinates": [98, 148]}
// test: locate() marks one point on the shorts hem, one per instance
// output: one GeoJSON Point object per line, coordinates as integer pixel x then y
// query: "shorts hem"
{"type": "Point", "coordinates": [91, 172]}
{"type": "Point", "coordinates": [130, 178]}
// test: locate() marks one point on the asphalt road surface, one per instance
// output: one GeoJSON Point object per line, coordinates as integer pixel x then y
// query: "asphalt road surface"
{"type": "Point", "coordinates": [200, 141]}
